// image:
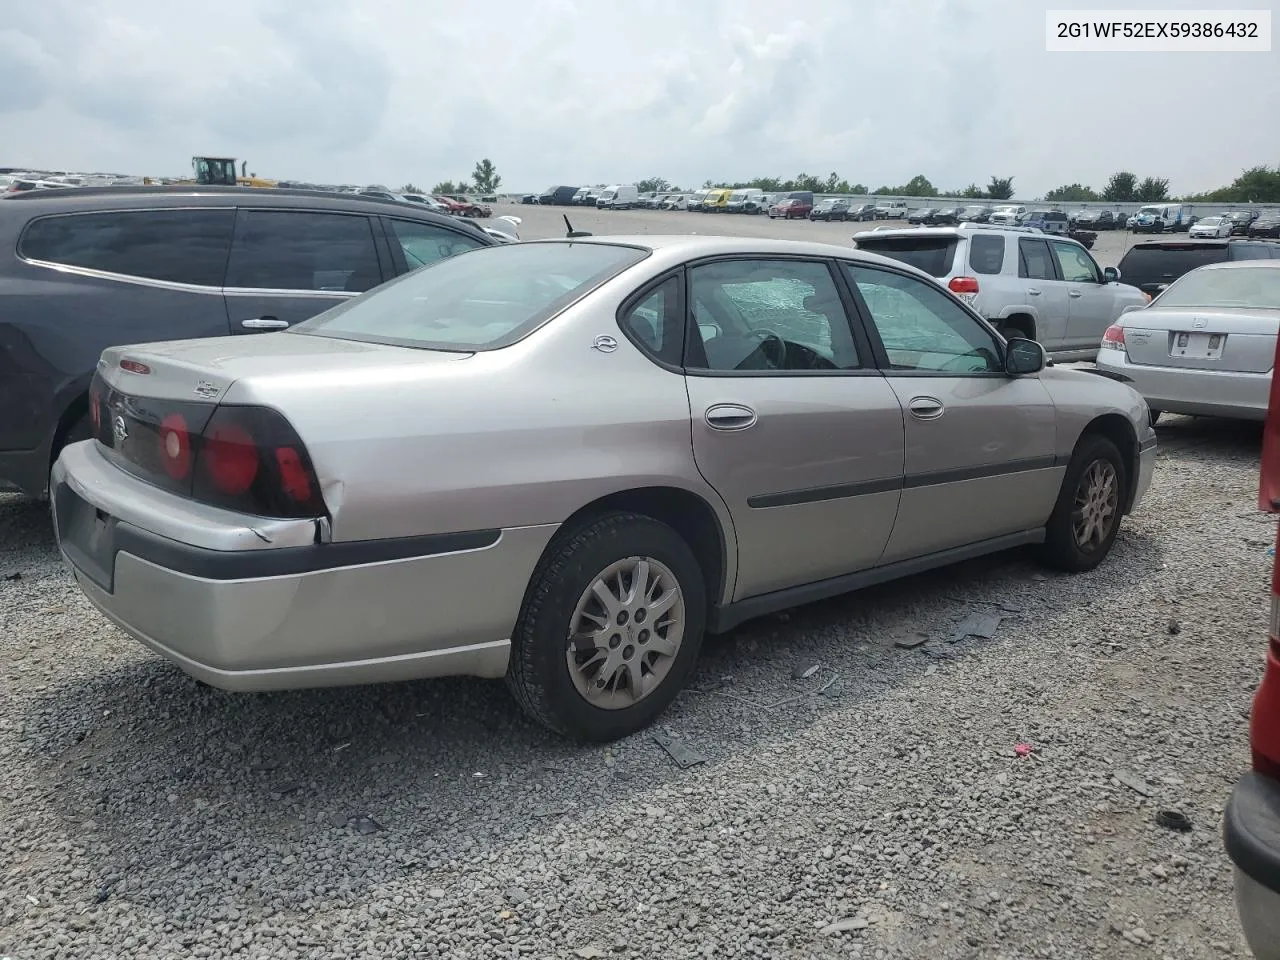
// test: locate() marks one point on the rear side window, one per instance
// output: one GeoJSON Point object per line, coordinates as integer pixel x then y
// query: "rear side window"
{"type": "Point", "coordinates": [179, 246]}
{"type": "Point", "coordinates": [1034, 261]}
{"type": "Point", "coordinates": [1168, 262]}
{"type": "Point", "coordinates": [424, 243]}
{"type": "Point", "coordinates": [1252, 251]}
{"type": "Point", "coordinates": [986, 253]}
{"type": "Point", "coordinates": [933, 255]}
{"type": "Point", "coordinates": [298, 250]}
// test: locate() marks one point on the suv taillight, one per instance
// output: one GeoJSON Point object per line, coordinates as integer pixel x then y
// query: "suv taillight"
{"type": "Point", "coordinates": [243, 458]}
{"type": "Point", "coordinates": [1113, 337]}
{"type": "Point", "coordinates": [963, 285]}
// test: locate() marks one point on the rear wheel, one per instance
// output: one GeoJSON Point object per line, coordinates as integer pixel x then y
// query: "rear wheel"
{"type": "Point", "coordinates": [1086, 518]}
{"type": "Point", "coordinates": [610, 628]}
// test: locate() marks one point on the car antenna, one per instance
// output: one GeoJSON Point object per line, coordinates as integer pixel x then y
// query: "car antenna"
{"type": "Point", "coordinates": [573, 234]}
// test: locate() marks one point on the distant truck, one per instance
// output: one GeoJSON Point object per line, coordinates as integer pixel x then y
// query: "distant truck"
{"type": "Point", "coordinates": [1161, 217]}
{"type": "Point", "coordinates": [892, 210]}
{"type": "Point", "coordinates": [558, 196]}
{"type": "Point", "coordinates": [620, 196]}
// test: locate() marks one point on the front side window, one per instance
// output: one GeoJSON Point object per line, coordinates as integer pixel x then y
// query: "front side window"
{"type": "Point", "coordinates": [300, 250]}
{"type": "Point", "coordinates": [180, 246]}
{"type": "Point", "coordinates": [921, 327]}
{"type": "Point", "coordinates": [488, 299]}
{"type": "Point", "coordinates": [779, 315]}
{"type": "Point", "coordinates": [1077, 266]}
{"type": "Point", "coordinates": [424, 243]}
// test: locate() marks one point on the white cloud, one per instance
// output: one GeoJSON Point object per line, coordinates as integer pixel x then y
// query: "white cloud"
{"type": "Point", "coordinates": [554, 90]}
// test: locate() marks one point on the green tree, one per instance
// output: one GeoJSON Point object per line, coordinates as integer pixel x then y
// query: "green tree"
{"type": "Point", "coordinates": [448, 187]}
{"type": "Point", "coordinates": [485, 176]}
{"type": "Point", "coordinates": [653, 185]}
{"type": "Point", "coordinates": [1255, 185]}
{"type": "Point", "coordinates": [918, 186]}
{"type": "Point", "coordinates": [1121, 188]}
{"type": "Point", "coordinates": [1000, 188]}
{"type": "Point", "coordinates": [410, 188]}
{"type": "Point", "coordinates": [1151, 189]}
{"type": "Point", "coordinates": [1071, 193]}
{"type": "Point", "coordinates": [971, 192]}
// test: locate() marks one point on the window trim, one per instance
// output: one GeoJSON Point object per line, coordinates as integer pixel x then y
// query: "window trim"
{"type": "Point", "coordinates": [881, 355]}
{"type": "Point", "coordinates": [242, 215]}
{"type": "Point", "coordinates": [399, 265]}
{"type": "Point", "coordinates": [96, 274]}
{"type": "Point", "coordinates": [693, 347]}
{"type": "Point", "coordinates": [641, 294]}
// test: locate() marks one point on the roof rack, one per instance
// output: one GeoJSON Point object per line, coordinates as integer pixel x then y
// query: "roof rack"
{"type": "Point", "coordinates": [970, 225]}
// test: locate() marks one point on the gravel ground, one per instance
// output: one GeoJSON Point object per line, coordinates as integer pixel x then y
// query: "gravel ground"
{"type": "Point", "coordinates": [876, 808]}
{"type": "Point", "coordinates": [539, 223]}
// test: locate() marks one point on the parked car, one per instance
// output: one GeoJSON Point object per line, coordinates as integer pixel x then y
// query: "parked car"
{"type": "Point", "coordinates": [229, 478]}
{"type": "Point", "coordinates": [947, 217]}
{"type": "Point", "coordinates": [84, 269]}
{"type": "Point", "coordinates": [455, 208]}
{"type": "Point", "coordinates": [694, 202]}
{"type": "Point", "coordinates": [1241, 221]}
{"type": "Point", "coordinates": [1211, 228]}
{"type": "Point", "coordinates": [580, 196]}
{"type": "Point", "coordinates": [676, 201]}
{"type": "Point", "coordinates": [758, 204]}
{"type": "Point", "coordinates": [471, 207]}
{"type": "Point", "coordinates": [922, 215]}
{"type": "Point", "coordinates": [1205, 346]}
{"type": "Point", "coordinates": [976, 213]}
{"type": "Point", "coordinates": [1048, 289]}
{"type": "Point", "coordinates": [744, 201]}
{"type": "Point", "coordinates": [529, 198]}
{"type": "Point", "coordinates": [716, 201]}
{"type": "Point", "coordinates": [559, 196]}
{"type": "Point", "coordinates": [1251, 822]}
{"type": "Point", "coordinates": [1163, 217]}
{"type": "Point", "coordinates": [862, 212]}
{"type": "Point", "coordinates": [1266, 225]}
{"type": "Point", "coordinates": [1154, 264]}
{"type": "Point", "coordinates": [830, 209]}
{"type": "Point", "coordinates": [1008, 215]}
{"type": "Point", "coordinates": [795, 204]}
{"type": "Point", "coordinates": [1048, 221]}
{"type": "Point", "coordinates": [892, 210]}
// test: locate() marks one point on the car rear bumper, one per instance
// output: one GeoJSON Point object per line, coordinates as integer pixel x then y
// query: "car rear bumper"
{"type": "Point", "coordinates": [1251, 833]}
{"type": "Point", "coordinates": [279, 616]}
{"type": "Point", "coordinates": [1206, 393]}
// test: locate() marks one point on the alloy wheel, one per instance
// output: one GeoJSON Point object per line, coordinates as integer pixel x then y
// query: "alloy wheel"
{"type": "Point", "coordinates": [1096, 505]}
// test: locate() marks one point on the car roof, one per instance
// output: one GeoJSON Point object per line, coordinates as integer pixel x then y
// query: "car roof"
{"type": "Point", "coordinates": [1241, 265]}
{"type": "Point", "coordinates": [87, 199]}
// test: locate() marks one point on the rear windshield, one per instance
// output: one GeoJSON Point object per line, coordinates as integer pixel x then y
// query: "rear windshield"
{"type": "Point", "coordinates": [1250, 287]}
{"type": "Point", "coordinates": [483, 302]}
{"type": "Point", "coordinates": [933, 255]}
{"type": "Point", "coordinates": [1165, 263]}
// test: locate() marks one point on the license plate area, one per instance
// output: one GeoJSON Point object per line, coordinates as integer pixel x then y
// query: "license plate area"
{"type": "Point", "coordinates": [87, 536]}
{"type": "Point", "coordinates": [1197, 346]}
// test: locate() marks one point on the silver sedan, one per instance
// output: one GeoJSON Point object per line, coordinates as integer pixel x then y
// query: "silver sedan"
{"type": "Point", "coordinates": [1206, 345]}
{"type": "Point", "coordinates": [562, 462]}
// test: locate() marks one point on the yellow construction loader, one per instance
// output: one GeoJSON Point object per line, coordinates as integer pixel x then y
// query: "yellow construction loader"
{"type": "Point", "coordinates": [222, 170]}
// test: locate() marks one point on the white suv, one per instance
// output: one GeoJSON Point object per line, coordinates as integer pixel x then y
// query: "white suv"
{"type": "Point", "coordinates": [1008, 215]}
{"type": "Point", "coordinates": [1027, 283]}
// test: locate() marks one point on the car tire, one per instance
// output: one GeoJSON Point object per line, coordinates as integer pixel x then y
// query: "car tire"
{"type": "Point", "coordinates": [1086, 518]}
{"type": "Point", "coordinates": [581, 560]}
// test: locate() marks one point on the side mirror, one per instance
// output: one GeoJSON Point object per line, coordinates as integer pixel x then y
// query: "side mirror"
{"type": "Point", "coordinates": [1110, 274]}
{"type": "Point", "coordinates": [1023, 357]}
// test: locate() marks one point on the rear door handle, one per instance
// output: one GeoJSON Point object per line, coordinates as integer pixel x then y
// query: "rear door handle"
{"type": "Point", "coordinates": [926, 408]}
{"type": "Point", "coordinates": [1033, 291]}
{"type": "Point", "coordinates": [1074, 293]}
{"type": "Point", "coordinates": [264, 323]}
{"type": "Point", "coordinates": [730, 416]}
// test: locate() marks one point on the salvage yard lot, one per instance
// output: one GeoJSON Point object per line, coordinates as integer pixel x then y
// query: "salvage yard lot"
{"type": "Point", "coordinates": [142, 815]}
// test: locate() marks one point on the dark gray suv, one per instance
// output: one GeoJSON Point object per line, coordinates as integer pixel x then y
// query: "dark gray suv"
{"type": "Point", "coordinates": [87, 269]}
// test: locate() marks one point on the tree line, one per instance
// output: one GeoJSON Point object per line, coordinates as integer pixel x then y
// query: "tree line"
{"type": "Point", "coordinates": [484, 179]}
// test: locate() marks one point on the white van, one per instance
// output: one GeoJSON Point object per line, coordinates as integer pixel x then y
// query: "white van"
{"type": "Point", "coordinates": [622, 196]}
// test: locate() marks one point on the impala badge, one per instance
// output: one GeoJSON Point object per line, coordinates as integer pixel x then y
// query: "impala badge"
{"type": "Point", "coordinates": [605, 344]}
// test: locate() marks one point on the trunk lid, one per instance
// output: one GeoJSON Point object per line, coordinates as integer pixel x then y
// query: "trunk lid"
{"type": "Point", "coordinates": [1230, 340]}
{"type": "Point", "coordinates": [203, 370]}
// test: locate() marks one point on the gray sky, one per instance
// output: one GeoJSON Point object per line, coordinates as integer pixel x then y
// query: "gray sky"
{"type": "Point", "coordinates": [571, 91]}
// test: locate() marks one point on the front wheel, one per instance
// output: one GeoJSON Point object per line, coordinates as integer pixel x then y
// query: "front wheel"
{"type": "Point", "coordinates": [1086, 518]}
{"type": "Point", "coordinates": [610, 628]}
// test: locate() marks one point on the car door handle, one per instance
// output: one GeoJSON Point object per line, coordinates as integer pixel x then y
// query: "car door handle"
{"type": "Point", "coordinates": [926, 408]}
{"type": "Point", "coordinates": [730, 416]}
{"type": "Point", "coordinates": [264, 323]}
{"type": "Point", "coordinates": [1033, 291]}
{"type": "Point", "coordinates": [1074, 293]}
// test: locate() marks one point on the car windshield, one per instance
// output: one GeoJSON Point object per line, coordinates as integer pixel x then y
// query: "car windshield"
{"type": "Point", "coordinates": [1149, 211]}
{"type": "Point", "coordinates": [1210, 221]}
{"type": "Point", "coordinates": [1252, 287]}
{"type": "Point", "coordinates": [484, 299]}
{"type": "Point", "coordinates": [738, 195]}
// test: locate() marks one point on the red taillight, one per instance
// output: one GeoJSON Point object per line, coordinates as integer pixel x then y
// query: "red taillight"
{"type": "Point", "coordinates": [231, 458]}
{"type": "Point", "coordinates": [963, 285]}
{"type": "Point", "coordinates": [1113, 337]}
{"type": "Point", "coordinates": [175, 446]}
{"type": "Point", "coordinates": [295, 479]}
{"type": "Point", "coordinates": [134, 366]}
{"type": "Point", "coordinates": [95, 405]}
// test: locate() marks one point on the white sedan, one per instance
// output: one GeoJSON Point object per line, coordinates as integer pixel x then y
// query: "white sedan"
{"type": "Point", "coordinates": [1211, 228]}
{"type": "Point", "coordinates": [1205, 346]}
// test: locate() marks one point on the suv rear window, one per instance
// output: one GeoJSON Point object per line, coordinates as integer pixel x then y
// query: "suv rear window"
{"type": "Point", "coordinates": [933, 255]}
{"type": "Point", "coordinates": [1165, 262]}
{"type": "Point", "coordinates": [180, 246]}
{"type": "Point", "coordinates": [490, 298]}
